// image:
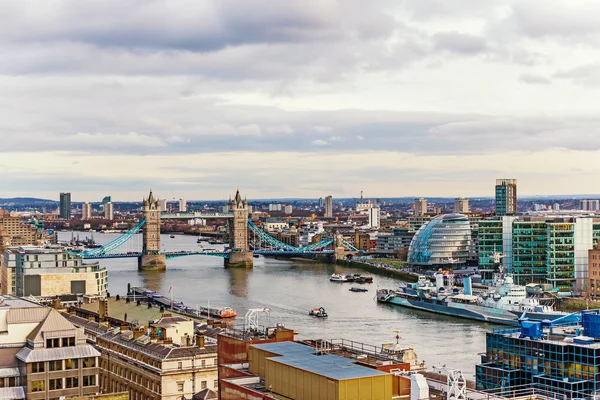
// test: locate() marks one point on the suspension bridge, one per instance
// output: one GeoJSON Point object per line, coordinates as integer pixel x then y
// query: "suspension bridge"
{"type": "Point", "coordinates": [246, 239]}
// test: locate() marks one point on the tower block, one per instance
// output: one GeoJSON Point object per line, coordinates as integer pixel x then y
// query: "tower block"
{"type": "Point", "coordinates": [151, 259]}
{"type": "Point", "coordinates": [240, 255]}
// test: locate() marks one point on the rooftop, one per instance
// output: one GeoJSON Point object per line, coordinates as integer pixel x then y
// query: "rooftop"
{"type": "Point", "coordinates": [10, 301]}
{"type": "Point", "coordinates": [306, 358]}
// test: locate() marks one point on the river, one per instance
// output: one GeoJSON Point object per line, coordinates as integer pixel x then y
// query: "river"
{"type": "Point", "coordinates": [290, 289]}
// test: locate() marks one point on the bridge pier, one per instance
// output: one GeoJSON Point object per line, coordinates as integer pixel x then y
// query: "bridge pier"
{"type": "Point", "coordinates": [239, 259]}
{"type": "Point", "coordinates": [152, 262]}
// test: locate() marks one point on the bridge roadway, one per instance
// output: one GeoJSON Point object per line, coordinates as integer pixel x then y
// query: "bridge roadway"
{"type": "Point", "coordinates": [223, 254]}
{"type": "Point", "coordinates": [196, 214]}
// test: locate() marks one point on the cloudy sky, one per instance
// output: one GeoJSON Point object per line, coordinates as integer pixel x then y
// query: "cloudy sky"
{"type": "Point", "coordinates": [298, 98]}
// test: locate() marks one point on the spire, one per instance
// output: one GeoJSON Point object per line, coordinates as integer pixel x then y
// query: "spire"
{"type": "Point", "coordinates": [151, 198]}
{"type": "Point", "coordinates": [238, 198]}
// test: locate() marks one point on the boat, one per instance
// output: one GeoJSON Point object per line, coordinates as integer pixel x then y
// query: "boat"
{"type": "Point", "coordinates": [318, 312]}
{"type": "Point", "coordinates": [338, 278]}
{"type": "Point", "coordinates": [172, 236]}
{"type": "Point", "coordinates": [198, 240]}
{"type": "Point", "coordinates": [363, 279]}
{"type": "Point", "coordinates": [255, 255]}
{"type": "Point", "coordinates": [357, 289]}
{"type": "Point", "coordinates": [423, 295]}
{"type": "Point", "coordinates": [350, 277]}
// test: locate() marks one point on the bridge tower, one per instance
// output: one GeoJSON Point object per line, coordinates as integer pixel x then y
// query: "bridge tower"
{"type": "Point", "coordinates": [151, 259]}
{"type": "Point", "coordinates": [240, 255]}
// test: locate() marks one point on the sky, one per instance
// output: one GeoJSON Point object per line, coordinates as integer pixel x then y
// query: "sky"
{"type": "Point", "coordinates": [298, 98]}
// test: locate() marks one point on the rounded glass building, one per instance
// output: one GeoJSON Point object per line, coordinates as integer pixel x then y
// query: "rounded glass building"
{"type": "Point", "coordinates": [444, 240]}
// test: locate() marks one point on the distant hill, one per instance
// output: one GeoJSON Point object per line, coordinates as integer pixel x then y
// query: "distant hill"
{"type": "Point", "coordinates": [26, 200]}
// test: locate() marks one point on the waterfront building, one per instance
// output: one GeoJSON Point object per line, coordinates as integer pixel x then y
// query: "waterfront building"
{"type": "Point", "coordinates": [589, 205]}
{"type": "Point", "coordinates": [65, 206]}
{"type": "Point", "coordinates": [529, 253]}
{"type": "Point", "coordinates": [328, 207]}
{"type": "Point", "coordinates": [51, 271]}
{"type": "Point", "coordinates": [420, 207]}
{"type": "Point", "coordinates": [395, 241]}
{"type": "Point", "coordinates": [562, 361]}
{"type": "Point", "coordinates": [86, 211]}
{"type": "Point", "coordinates": [593, 273]}
{"type": "Point", "coordinates": [182, 205]}
{"type": "Point", "coordinates": [109, 210]}
{"type": "Point", "coordinates": [461, 206]}
{"type": "Point", "coordinates": [42, 355]}
{"type": "Point", "coordinates": [443, 241]}
{"type": "Point", "coordinates": [506, 197]}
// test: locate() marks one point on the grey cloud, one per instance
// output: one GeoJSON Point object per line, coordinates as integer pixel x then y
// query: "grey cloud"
{"type": "Point", "coordinates": [586, 75]}
{"type": "Point", "coordinates": [534, 79]}
{"type": "Point", "coordinates": [457, 42]}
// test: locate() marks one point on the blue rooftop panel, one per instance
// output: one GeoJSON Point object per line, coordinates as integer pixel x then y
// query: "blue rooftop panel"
{"type": "Point", "coordinates": [303, 357]}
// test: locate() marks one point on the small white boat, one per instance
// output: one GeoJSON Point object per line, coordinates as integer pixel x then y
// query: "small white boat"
{"type": "Point", "coordinates": [338, 278]}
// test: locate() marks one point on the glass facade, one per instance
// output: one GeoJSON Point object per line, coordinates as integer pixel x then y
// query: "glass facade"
{"type": "Point", "coordinates": [561, 255]}
{"type": "Point", "coordinates": [529, 252]}
{"type": "Point", "coordinates": [445, 240]}
{"type": "Point", "coordinates": [490, 241]}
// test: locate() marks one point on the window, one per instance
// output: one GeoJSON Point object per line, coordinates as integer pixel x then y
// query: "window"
{"type": "Point", "coordinates": [37, 367]}
{"type": "Point", "coordinates": [203, 363]}
{"type": "Point", "coordinates": [37, 386]}
{"type": "Point", "coordinates": [72, 382]}
{"type": "Point", "coordinates": [55, 365]}
{"type": "Point", "coordinates": [89, 380]}
{"type": "Point", "coordinates": [89, 362]}
{"type": "Point", "coordinates": [180, 386]}
{"type": "Point", "coordinates": [55, 384]}
{"type": "Point", "coordinates": [71, 364]}
{"type": "Point", "coordinates": [203, 385]}
{"type": "Point", "coordinates": [68, 342]}
{"type": "Point", "coordinates": [179, 365]}
{"type": "Point", "coordinates": [216, 384]}
{"type": "Point", "coordinates": [52, 343]}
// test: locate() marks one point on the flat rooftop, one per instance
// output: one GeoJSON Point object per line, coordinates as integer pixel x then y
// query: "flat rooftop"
{"type": "Point", "coordinates": [10, 301]}
{"type": "Point", "coordinates": [306, 358]}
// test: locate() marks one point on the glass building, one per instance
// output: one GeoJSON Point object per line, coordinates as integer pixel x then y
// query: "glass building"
{"type": "Point", "coordinates": [65, 206]}
{"type": "Point", "coordinates": [506, 196]}
{"type": "Point", "coordinates": [443, 241]}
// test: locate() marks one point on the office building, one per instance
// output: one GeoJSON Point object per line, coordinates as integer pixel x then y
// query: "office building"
{"type": "Point", "coordinates": [420, 207]}
{"type": "Point", "coordinates": [109, 211]}
{"type": "Point", "coordinates": [50, 271]}
{"type": "Point", "coordinates": [506, 197]}
{"type": "Point", "coordinates": [42, 355]}
{"type": "Point", "coordinates": [395, 241]}
{"type": "Point", "coordinates": [461, 206]}
{"type": "Point", "coordinates": [443, 241]}
{"type": "Point", "coordinates": [328, 207]}
{"type": "Point", "coordinates": [562, 361]}
{"type": "Point", "coordinates": [589, 205]}
{"type": "Point", "coordinates": [321, 202]}
{"type": "Point", "coordinates": [288, 209]}
{"type": "Point", "coordinates": [182, 205]}
{"type": "Point", "coordinates": [86, 211]}
{"type": "Point", "coordinates": [593, 274]}
{"type": "Point", "coordinates": [65, 206]}
{"type": "Point", "coordinates": [162, 204]}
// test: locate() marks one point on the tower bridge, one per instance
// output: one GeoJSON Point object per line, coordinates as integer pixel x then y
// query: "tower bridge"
{"type": "Point", "coordinates": [239, 254]}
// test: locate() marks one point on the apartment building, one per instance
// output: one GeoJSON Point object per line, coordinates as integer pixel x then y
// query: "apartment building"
{"type": "Point", "coordinates": [43, 355]}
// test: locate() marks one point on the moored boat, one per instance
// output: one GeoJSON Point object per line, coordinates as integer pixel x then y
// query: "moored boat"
{"type": "Point", "coordinates": [357, 289]}
{"type": "Point", "coordinates": [338, 278]}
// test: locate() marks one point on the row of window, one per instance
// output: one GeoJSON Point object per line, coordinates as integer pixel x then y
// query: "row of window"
{"type": "Point", "coordinates": [181, 385]}
{"type": "Point", "coordinates": [57, 365]}
{"type": "Point", "coordinates": [56, 342]}
{"type": "Point", "coordinates": [63, 383]}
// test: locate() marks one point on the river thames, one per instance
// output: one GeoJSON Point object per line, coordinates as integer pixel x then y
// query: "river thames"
{"type": "Point", "coordinates": [290, 289]}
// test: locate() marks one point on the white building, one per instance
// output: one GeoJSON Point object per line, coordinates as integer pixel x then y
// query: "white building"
{"type": "Point", "coordinates": [374, 216]}
{"type": "Point", "coordinates": [556, 207]}
{"type": "Point", "coordinates": [420, 207]}
{"type": "Point", "coordinates": [182, 205]}
{"type": "Point", "coordinates": [86, 211]}
{"type": "Point", "coordinates": [109, 211]}
{"type": "Point", "coordinates": [589, 205]}
{"type": "Point", "coordinates": [51, 271]}
{"type": "Point", "coordinates": [162, 203]}
{"type": "Point", "coordinates": [288, 209]}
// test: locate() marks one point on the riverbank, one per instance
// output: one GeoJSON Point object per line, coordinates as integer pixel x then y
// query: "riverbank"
{"type": "Point", "coordinates": [386, 271]}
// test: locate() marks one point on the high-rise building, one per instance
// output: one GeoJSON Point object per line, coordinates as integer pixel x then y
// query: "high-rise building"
{"type": "Point", "coordinates": [162, 204]}
{"type": "Point", "coordinates": [374, 216]}
{"type": "Point", "coordinates": [420, 207]}
{"type": "Point", "coordinates": [506, 197]}
{"type": "Point", "coordinates": [182, 205]}
{"type": "Point", "coordinates": [109, 210]}
{"type": "Point", "coordinates": [321, 202]}
{"type": "Point", "coordinates": [589, 205]}
{"type": "Point", "coordinates": [86, 211]}
{"type": "Point", "coordinates": [556, 207]}
{"type": "Point", "coordinates": [106, 199]}
{"type": "Point", "coordinates": [65, 206]}
{"type": "Point", "coordinates": [288, 209]}
{"type": "Point", "coordinates": [461, 205]}
{"type": "Point", "coordinates": [328, 207]}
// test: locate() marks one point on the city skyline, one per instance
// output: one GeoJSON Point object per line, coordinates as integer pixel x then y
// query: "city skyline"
{"type": "Point", "coordinates": [397, 99]}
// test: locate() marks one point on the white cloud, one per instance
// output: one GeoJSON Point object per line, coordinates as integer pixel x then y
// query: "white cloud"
{"type": "Point", "coordinates": [114, 140]}
{"type": "Point", "coordinates": [319, 142]}
{"type": "Point", "coordinates": [280, 130]}
{"type": "Point", "coordinates": [359, 137]}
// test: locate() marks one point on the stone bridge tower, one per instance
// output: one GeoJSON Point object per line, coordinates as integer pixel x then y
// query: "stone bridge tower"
{"type": "Point", "coordinates": [151, 259]}
{"type": "Point", "coordinates": [240, 256]}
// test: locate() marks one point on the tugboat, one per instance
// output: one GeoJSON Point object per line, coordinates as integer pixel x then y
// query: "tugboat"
{"type": "Point", "coordinates": [318, 312]}
{"type": "Point", "coordinates": [357, 289]}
